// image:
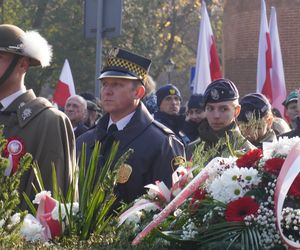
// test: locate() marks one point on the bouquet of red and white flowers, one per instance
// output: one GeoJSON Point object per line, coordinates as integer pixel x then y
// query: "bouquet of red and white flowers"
{"type": "Point", "coordinates": [247, 202]}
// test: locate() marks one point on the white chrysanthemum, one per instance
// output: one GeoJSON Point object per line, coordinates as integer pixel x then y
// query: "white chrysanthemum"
{"type": "Point", "coordinates": [31, 229]}
{"type": "Point", "coordinates": [217, 166]}
{"type": "Point", "coordinates": [40, 195]}
{"type": "Point", "coordinates": [233, 183]}
{"type": "Point", "coordinates": [250, 176]}
{"type": "Point", "coordinates": [282, 147]}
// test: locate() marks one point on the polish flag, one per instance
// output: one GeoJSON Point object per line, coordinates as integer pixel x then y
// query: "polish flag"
{"type": "Point", "coordinates": [277, 72]}
{"type": "Point", "coordinates": [207, 65]}
{"type": "Point", "coordinates": [264, 62]}
{"type": "Point", "coordinates": [65, 86]}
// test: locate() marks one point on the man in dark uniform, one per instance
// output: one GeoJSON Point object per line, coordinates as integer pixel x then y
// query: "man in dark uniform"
{"type": "Point", "coordinates": [168, 103]}
{"type": "Point", "coordinates": [157, 152]}
{"type": "Point", "coordinates": [256, 118]}
{"type": "Point", "coordinates": [222, 108]}
{"type": "Point", "coordinates": [32, 122]}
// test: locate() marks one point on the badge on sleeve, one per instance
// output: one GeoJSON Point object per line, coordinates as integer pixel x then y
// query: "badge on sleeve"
{"type": "Point", "coordinates": [124, 173]}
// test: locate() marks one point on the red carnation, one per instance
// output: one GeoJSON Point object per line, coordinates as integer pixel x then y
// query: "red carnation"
{"type": "Point", "coordinates": [295, 188]}
{"type": "Point", "coordinates": [249, 159]}
{"type": "Point", "coordinates": [273, 166]}
{"type": "Point", "coordinates": [237, 210]}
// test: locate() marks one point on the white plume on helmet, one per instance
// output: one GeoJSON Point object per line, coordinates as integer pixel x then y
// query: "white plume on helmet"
{"type": "Point", "coordinates": [37, 47]}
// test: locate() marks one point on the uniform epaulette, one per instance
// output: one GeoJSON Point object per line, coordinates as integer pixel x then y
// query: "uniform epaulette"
{"type": "Point", "coordinates": [162, 127]}
{"type": "Point", "coordinates": [27, 111]}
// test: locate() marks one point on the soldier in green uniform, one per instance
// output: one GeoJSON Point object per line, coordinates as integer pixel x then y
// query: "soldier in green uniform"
{"type": "Point", "coordinates": [222, 108]}
{"type": "Point", "coordinates": [31, 123]}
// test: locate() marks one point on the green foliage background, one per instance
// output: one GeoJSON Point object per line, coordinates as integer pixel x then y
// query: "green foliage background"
{"type": "Point", "coordinates": [156, 29]}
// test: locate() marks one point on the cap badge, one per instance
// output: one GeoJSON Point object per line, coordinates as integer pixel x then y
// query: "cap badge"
{"type": "Point", "coordinates": [215, 94]}
{"type": "Point", "coordinates": [26, 113]}
{"type": "Point", "coordinates": [113, 52]}
{"type": "Point", "coordinates": [172, 91]}
{"type": "Point", "coordinates": [124, 173]}
{"type": "Point", "coordinates": [249, 115]}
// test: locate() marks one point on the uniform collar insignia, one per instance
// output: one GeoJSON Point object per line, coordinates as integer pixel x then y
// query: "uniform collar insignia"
{"type": "Point", "coordinates": [26, 113]}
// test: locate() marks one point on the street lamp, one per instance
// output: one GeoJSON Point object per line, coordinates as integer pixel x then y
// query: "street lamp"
{"type": "Point", "coordinates": [170, 65]}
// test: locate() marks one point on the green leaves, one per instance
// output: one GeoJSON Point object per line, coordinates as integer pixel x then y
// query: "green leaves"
{"type": "Point", "coordinates": [233, 235]}
{"type": "Point", "coordinates": [92, 188]}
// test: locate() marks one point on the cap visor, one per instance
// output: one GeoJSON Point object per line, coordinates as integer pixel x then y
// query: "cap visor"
{"type": "Point", "coordinates": [116, 74]}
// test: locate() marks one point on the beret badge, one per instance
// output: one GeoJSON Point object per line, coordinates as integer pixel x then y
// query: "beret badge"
{"type": "Point", "coordinates": [214, 94]}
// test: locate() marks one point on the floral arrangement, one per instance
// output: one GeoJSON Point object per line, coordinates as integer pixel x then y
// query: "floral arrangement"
{"type": "Point", "coordinates": [246, 202]}
{"type": "Point", "coordinates": [13, 163]}
{"type": "Point", "coordinates": [84, 214]}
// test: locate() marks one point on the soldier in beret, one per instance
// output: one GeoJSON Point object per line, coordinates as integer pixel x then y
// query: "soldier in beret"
{"type": "Point", "coordinates": [290, 104]}
{"type": "Point", "coordinates": [255, 119]}
{"type": "Point", "coordinates": [32, 124]}
{"type": "Point", "coordinates": [157, 152]}
{"type": "Point", "coordinates": [222, 108]}
{"type": "Point", "coordinates": [168, 103]}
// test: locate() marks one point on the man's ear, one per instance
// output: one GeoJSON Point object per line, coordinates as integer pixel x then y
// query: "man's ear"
{"type": "Point", "coordinates": [237, 111]}
{"type": "Point", "coordinates": [24, 63]}
{"type": "Point", "coordinates": [140, 92]}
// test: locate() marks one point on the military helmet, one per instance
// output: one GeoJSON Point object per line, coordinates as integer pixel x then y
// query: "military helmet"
{"type": "Point", "coordinates": [30, 44]}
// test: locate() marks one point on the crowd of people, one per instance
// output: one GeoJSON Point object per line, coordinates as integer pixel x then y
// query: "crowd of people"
{"type": "Point", "coordinates": [162, 130]}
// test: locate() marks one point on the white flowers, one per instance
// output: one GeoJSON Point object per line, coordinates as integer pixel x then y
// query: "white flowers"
{"type": "Point", "coordinates": [233, 183]}
{"type": "Point", "coordinates": [31, 229]}
{"type": "Point", "coordinates": [62, 210]}
{"type": "Point", "coordinates": [40, 195]}
{"type": "Point", "coordinates": [282, 147]}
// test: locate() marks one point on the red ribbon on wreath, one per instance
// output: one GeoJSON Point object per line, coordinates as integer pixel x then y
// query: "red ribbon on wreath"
{"type": "Point", "coordinates": [14, 150]}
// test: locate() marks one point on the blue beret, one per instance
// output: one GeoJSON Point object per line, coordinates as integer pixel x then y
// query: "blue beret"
{"type": "Point", "coordinates": [292, 97]}
{"type": "Point", "coordinates": [221, 90]}
{"type": "Point", "coordinates": [168, 89]}
{"type": "Point", "coordinates": [253, 104]}
{"type": "Point", "coordinates": [196, 102]}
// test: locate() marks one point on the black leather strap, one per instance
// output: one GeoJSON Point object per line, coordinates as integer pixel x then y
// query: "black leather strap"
{"type": "Point", "coordinates": [10, 69]}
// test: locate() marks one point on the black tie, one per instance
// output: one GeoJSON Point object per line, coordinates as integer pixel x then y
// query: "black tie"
{"type": "Point", "coordinates": [1, 106]}
{"type": "Point", "coordinates": [112, 128]}
{"type": "Point", "coordinates": [109, 139]}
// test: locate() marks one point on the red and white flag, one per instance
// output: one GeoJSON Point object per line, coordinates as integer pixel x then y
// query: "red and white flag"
{"type": "Point", "coordinates": [65, 86]}
{"type": "Point", "coordinates": [207, 65]}
{"type": "Point", "coordinates": [264, 62]}
{"type": "Point", "coordinates": [277, 72]}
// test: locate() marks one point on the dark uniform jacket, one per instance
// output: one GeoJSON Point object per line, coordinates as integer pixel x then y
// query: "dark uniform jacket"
{"type": "Point", "coordinates": [156, 151]}
{"type": "Point", "coordinates": [295, 131]}
{"type": "Point", "coordinates": [80, 129]}
{"type": "Point", "coordinates": [190, 129]}
{"type": "Point", "coordinates": [173, 122]}
{"type": "Point", "coordinates": [47, 134]}
{"type": "Point", "coordinates": [211, 138]}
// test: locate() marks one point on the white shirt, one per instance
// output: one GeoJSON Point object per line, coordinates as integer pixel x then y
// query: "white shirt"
{"type": "Point", "coordinates": [9, 99]}
{"type": "Point", "coordinates": [121, 123]}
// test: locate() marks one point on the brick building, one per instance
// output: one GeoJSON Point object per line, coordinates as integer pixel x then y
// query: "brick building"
{"type": "Point", "coordinates": [241, 25]}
